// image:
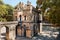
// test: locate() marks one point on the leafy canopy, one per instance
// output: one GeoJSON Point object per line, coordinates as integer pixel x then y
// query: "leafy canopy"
{"type": "Point", "coordinates": [52, 15]}
{"type": "Point", "coordinates": [6, 12]}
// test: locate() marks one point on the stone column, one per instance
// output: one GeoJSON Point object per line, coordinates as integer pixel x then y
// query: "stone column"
{"type": "Point", "coordinates": [0, 32]}
{"type": "Point", "coordinates": [12, 32]}
{"type": "Point", "coordinates": [41, 23]}
{"type": "Point", "coordinates": [40, 27]}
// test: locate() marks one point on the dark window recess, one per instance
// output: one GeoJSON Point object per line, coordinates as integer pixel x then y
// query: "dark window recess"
{"type": "Point", "coordinates": [24, 17]}
{"type": "Point", "coordinates": [16, 18]}
{"type": "Point", "coordinates": [20, 17]}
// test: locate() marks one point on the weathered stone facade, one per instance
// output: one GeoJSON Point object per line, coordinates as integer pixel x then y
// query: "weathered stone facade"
{"type": "Point", "coordinates": [25, 14]}
{"type": "Point", "coordinates": [25, 10]}
{"type": "Point", "coordinates": [10, 28]}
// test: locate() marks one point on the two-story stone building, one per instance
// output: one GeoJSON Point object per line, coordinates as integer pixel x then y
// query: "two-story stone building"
{"type": "Point", "coordinates": [26, 16]}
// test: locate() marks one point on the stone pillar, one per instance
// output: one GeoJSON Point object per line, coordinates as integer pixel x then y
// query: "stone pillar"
{"type": "Point", "coordinates": [40, 27]}
{"type": "Point", "coordinates": [12, 32]}
{"type": "Point", "coordinates": [0, 32]}
{"type": "Point", "coordinates": [41, 23]}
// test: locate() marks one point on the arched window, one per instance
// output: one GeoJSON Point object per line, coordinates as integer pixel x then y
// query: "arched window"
{"type": "Point", "coordinates": [20, 17]}
{"type": "Point", "coordinates": [24, 17]}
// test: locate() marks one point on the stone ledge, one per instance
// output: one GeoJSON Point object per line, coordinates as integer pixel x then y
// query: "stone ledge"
{"type": "Point", "coordinates": [8, 23]}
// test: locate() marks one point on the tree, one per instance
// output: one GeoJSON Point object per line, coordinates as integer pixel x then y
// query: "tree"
{"type": "Point", "coordinates": [3, 12]}
{"type": "Point", "coordinates": [9, 9]}
{"type": "Point", "coordinates": [9, 17]}
{"type": "Point", "coordinates": [6, 12]}
{"type": "Point", "coordinates": [51, 10]}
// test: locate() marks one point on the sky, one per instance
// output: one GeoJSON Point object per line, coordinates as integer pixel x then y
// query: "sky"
{"type": "Point", "coordinates": [15, 2]}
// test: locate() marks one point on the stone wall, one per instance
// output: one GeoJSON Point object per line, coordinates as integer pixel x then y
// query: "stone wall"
{"type": "Point", "coordinates": [10, 30]}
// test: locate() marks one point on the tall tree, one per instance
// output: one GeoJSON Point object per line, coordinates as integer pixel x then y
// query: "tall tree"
{"type": "Point", "coordinates": [9, 17]}
{"type": "Point", "coordinates": [51, 10]}
{"type": "Point", "coordinates": [9, 9]}
{"type": "Point", "coordinates": [3, 12]}
{"type": "Point", "coordinates": [6, 12]}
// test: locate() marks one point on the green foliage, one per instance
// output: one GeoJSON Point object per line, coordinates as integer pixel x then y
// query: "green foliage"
{"type": "Point", "coordinates": [54, 11]}
{"type": "Point", "coordinates": [39, 2]}
{"type": "Point", "coordinates": [2, 19]}
{"type": "Point", "coordinates": [6, 12]}
{"type": "Point", "coordinates": [3, 10]}
{"type": "Point", "coordinates": [1, 2]}
{"type": "Point", "coordinates": [9, 8]}
{"type": "Point", "coordinates": [9, 17]}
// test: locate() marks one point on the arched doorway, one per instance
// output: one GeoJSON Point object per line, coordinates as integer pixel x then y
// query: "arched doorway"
{"type": "Point", "coordinates": [24, 30]}
{"type": "Point", "coordinates": [18, 30]}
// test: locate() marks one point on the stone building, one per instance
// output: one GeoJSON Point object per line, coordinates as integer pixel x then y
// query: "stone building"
{"type": "Point", "coordinates": [26, 16]}
{"type": "Point", "coordinates": [23, 10]}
